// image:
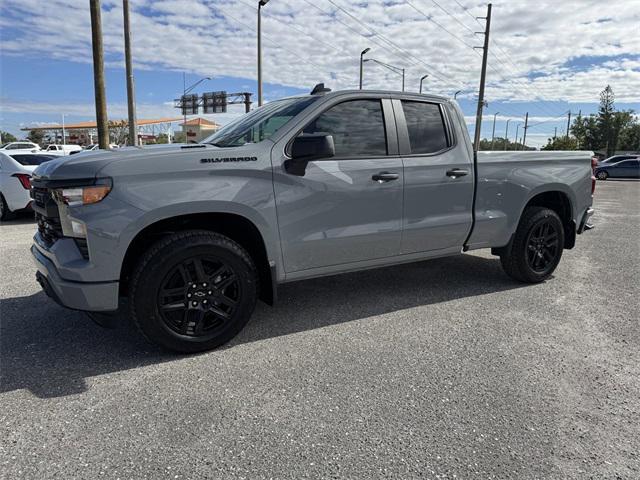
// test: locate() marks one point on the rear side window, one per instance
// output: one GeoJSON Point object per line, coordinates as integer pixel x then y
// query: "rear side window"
{"type": "Point", "coordinates": [357, 127]}
{"type": "Point", "coordinates": [427, 133]}
{"type": "Point", "coordinates": [26, 159]}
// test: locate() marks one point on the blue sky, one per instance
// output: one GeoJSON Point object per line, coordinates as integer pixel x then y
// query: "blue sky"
{"type": "Point", "coordinates": [546, 59]}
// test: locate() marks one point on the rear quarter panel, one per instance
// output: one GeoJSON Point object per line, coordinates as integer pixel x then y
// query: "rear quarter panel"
{"type": "Point", "coordinates": [507, 181]}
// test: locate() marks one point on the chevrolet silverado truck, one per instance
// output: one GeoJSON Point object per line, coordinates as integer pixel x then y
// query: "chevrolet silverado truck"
{"type": "Point", "coordinates": [194, 234]}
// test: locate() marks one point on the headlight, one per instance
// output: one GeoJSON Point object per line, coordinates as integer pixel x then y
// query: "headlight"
{"type": "Point", "coordinates": [76, 196]}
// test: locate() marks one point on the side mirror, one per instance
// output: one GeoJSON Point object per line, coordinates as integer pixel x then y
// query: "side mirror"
{"type": "Point", "coordinates": [306, 148]}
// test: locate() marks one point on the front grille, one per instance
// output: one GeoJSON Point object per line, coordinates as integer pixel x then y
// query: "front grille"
{"type": "Point", "coordinates": [47, 215]}
{"type": "Point", "coordinates": [50, 229]}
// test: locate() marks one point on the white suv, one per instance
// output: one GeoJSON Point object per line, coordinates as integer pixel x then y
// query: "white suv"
{"type": "Point", "coordinates": [19, 147]}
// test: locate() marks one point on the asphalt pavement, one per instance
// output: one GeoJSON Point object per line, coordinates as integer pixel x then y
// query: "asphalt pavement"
{"type": "Point", "coordinates": [440, 369]}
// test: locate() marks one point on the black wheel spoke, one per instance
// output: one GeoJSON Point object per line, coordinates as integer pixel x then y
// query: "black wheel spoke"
{"type": "Point", "coordinates": [173, 306]}
{"type": "Point", "coordinates": [225, 282]}
{"type": "Point", "coordinates": [219, 313]}
{"type": "Point", "coordinates": [200, 275]}
{"type": "Point", "coordinates": [184, 273]}
{"type": "Point", "coordinates": [229, 302]}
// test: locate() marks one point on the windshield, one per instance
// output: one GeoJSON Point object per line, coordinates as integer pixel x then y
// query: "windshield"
{"type": "Point", "coordinates": [259, 124]}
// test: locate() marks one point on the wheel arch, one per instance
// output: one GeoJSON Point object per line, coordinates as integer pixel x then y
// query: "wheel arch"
{"type": "Point", "coordinates": [233, 225]}
{"type": "Point", "coordinates": [560, 202]}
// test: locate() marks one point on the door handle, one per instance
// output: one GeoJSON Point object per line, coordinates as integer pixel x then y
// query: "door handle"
{"type": "Point", "coordinates": [457, 172]}
{"type": "Point", "coordinates": [383, 177]}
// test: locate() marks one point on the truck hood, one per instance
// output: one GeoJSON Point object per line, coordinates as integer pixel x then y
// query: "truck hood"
{"type": "Point", "coordinates": [88, 164]}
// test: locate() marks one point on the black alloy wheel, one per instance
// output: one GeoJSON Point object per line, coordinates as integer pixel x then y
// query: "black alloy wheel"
{"type": "Point", "coordinates": [536, 247]}
{"type": "Point", "coordinates": [543, 245]}
{"type": "Point", "coordinates": [198, 296]}
{"type": "Point", "coordinates": [602, 175]}
{"type": "Point", "coordinates": [193, 291]}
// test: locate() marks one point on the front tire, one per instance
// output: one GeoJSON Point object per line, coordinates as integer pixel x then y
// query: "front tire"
{"type": "Point", "coordinates": [193, 291]}
{"type": "Point", "coordinates": [536, 248]}
{"type": "Point", "coordinates": [602, 175]}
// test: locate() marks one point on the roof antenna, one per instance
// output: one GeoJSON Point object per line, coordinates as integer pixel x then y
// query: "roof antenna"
{"type": "Point", "coordinates": [319, 88]}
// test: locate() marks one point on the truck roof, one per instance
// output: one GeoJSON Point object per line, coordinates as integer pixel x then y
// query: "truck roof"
{"type": "Point", "coordinates": [375, 92]}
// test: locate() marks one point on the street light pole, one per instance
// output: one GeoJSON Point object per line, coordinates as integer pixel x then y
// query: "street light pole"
{"type": "Point", "coordinates": [493, 133]}
{"type": "Point", "coordinates": [403, 79]}
{"type": "Point", "coordinates": [186, 90]}
{"type": "Point", "coordinates": [421, 80]}
{"type": "Point", "coordinates": [455, 95]}
{"type": "Point", "coordinates": [63, 132]}
{"type": "Point", "coordinates": [506, 135]}
{"type": "Point", "coordinates": [515, 146]}
{"type": "Point", "coordinates": [362, 54]}
{"type": "Point", "coordinates": [261, 3]}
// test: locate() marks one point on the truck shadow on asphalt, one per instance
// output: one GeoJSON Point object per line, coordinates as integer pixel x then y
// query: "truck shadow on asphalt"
{"type": "Point", "coordinates": [51, 351]}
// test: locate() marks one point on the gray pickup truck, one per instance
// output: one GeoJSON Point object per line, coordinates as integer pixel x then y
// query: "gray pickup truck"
{"type": "Point", "coordinates": [302, 187]}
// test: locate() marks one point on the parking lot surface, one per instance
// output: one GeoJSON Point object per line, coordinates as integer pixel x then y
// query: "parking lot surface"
{"type": "Point", "coordinates": [441, 369]}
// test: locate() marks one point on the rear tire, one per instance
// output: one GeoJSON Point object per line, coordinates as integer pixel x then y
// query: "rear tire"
{"type": "Point", "coordinates": [536, 248]}
{"type": "Point", "coordinates": [193, 291]}
{"type": "Point", "coordinates": [5, 213]}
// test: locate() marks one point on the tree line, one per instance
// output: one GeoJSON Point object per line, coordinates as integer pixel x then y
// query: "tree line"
{"type": "Point", "coordinates": [607, 131]}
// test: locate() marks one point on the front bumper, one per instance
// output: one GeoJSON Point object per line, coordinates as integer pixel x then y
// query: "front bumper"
{"type": "Point", "coordinates": [87, 296]}
{"type": "Point", "coordinates": [584, 223]}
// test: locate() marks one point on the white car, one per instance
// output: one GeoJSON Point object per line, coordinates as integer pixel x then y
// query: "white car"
{"type": "Point", "coordinates": [60, 150]}
{"type": "Point", "coordinates": [15, 180]}
{"type": "Point", "coordinates": [20, 147]}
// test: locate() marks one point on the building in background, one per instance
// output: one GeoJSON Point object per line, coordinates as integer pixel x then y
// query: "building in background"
{"type": "Point", "coordinates": [198, 129]}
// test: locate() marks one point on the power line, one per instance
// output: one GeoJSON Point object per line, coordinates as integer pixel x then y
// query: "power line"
{"type": "Point", "coordinates": [319, 67]}
{"type": "Point", "coordinates": [436, 23]}
{"type": "Point", "coordinates": [394, 45]}
{"type": "Point", "coordinates": [292, 26]}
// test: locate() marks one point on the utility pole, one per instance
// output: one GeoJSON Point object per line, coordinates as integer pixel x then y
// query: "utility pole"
{"type": "Point", "coordinates": [568, 123]}
{"type": "Point", "coordinates": [555, 133]}
{"type": "Point", "coordinates": [63, 132]}
{"type": "Point", "coordinates": [98, 75]}
{"type": "Point", "coordinates": [403, 79]}
{"type": "Point", "coordinates": [483, 77]}
{"type": "Point", "coordinates": [131, 96]}
{"type": "Point", "coordinates": [261, 4]}
{"type": "Point", "coordinates": [493, 132]}
{"type": "Point", "coordinates": [506, 136]}
{"type": "Point", "coordinates": [526, 125]}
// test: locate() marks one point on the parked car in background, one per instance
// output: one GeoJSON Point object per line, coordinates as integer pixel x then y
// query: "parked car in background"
{"type": "Point", "coordinates": [617, 158]}
{"type": "Point", "coordinates": [621, 169]}
{"type": "Point", "coordinates": [20, 147]}
{"type": "Point", "coordinates": [15, 180]}
{"type": "Point", "coordinates": [60, 150]}
{"type": "Point", "coordinates": [92, 147]}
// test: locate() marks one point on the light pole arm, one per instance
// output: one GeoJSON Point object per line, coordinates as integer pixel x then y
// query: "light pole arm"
{"type": "Point", "coordinates": [196, 84]}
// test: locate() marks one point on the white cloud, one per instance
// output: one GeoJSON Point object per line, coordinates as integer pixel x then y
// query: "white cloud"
{"type": "Point", "coordinates": [310, 41]}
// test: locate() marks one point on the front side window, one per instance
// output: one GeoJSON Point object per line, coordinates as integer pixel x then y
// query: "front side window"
{"type": "Point", "coordinates": [357, 127]}
{"type": "Point", "coordinates": [427, 133]}
{"type": "Point", "coordinates": [259, 124]}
